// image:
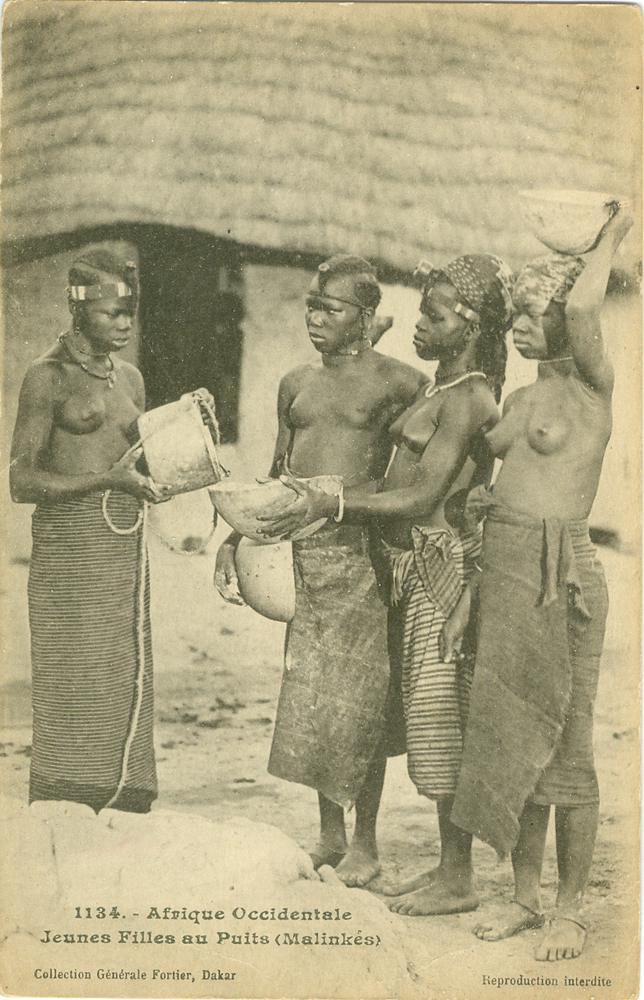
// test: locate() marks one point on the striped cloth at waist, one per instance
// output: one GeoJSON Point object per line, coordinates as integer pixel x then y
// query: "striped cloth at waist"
{"type": "Point", "coordinates": [432, 554]}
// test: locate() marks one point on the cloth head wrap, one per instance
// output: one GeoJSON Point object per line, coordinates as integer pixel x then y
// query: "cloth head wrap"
{"type": "Point", "coordinates": [544, 280]}
{"type": "Point", "coordinates": [483, 281]}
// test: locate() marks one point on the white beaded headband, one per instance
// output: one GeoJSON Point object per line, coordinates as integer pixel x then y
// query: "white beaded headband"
{"type": "Point", "coordinates": [116, 290]}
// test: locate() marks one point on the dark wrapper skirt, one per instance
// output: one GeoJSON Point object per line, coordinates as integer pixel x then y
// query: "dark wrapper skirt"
{"type": "Point", "coordinates": [543, 607]}
{"type": "Point", "coordinates": [336, 704]}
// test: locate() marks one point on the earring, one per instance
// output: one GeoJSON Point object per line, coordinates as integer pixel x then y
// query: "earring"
{"type": "Point", "coordinates": [75, 318]}
{"type": "Point", "coordinates": [366, 337]}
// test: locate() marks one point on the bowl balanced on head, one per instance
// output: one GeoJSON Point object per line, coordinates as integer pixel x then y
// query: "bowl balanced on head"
{"type": "Point", "coordinates": [568, 221]}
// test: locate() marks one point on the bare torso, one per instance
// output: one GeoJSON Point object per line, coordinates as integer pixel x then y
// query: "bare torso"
{"type": "Point", "coordinates": [552, 440]}
{"type": "Point", "coordinates": [413, 431]}
{"type": "Point", "coordinates": [92, 425]}
{"type": "Point", "coordinates": [73, 432]}
{"type": "Point", "coordinates": [335, 416]}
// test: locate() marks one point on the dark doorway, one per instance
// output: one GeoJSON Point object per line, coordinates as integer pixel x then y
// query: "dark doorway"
{"type": "Point", "coordinates": [190, 314]}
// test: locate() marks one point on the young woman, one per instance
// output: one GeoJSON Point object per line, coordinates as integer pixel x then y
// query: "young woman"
{"type": "Point", "coordinates": [543, 602]}
{"type": "Point", "coordinates": [334, 727]}
{"type": "Point", "coordinates": [88, 585]}
{"type": "Point", "coordinates": [440, 451]}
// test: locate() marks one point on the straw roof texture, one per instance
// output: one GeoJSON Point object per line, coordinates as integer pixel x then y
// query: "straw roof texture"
{"type": "Point", "coordinates": [389, 130]}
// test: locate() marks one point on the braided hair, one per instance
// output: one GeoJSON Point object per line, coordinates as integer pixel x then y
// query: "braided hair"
{"type": "Point", "coordinates": [367, 289]}
{"type": "Point", "coordinates": [491, 350]}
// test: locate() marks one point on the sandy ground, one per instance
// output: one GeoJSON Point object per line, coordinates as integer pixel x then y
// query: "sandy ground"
{"type": "Point", "coordinates": [217, 673]}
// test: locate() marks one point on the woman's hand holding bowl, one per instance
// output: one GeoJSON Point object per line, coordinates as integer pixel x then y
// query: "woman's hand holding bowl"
{"type": "Point", "coordinates": [125, 477]}
{"type": "Point", "coordinates": [225, 579]}
{"type": "Point", "coordinates": [618, 225]}
{"type": "Point", "coordinates": [310, 504]}
{"type": "Point", "coordinates": [207, 397]}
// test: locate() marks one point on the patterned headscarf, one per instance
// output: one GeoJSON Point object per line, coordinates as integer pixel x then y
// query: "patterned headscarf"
{"type": "Point", "coordinates": [483, 282]}
{"type": "Point", "coordinates": [544, 280]}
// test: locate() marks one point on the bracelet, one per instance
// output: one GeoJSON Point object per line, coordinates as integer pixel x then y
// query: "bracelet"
{"type": "Point", "coordinates": [338, 517]}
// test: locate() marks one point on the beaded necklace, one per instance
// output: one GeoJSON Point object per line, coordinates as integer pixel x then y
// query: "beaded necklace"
{"type": "Point", "coordinates": [105, 377]}
{"type": "Point", "coordinates": [431, 390]}
{"type": "Point", "coordinates": [355, 351]}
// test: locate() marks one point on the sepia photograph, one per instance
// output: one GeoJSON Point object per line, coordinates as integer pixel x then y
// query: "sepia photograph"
{"type": "Point", "coordinates": [321, 504]}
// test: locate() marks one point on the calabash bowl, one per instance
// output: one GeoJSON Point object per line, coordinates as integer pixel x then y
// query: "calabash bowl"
{"type": "Point", "coordinates": [240, 504]}
{"type": "Point", "coordinates": [569, 222]}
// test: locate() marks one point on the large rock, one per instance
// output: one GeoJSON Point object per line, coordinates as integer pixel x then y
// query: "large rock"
{"type": "Point", "coordinates": [242, 887]}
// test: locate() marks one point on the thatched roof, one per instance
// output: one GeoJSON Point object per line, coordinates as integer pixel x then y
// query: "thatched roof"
{"type": "Point", "coordinates": [389, 130]}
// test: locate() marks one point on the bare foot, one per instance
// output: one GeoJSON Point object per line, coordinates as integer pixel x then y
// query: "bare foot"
{"type": "Point", "coordinates": [564, 938]}
{"type": "Point", "coordinates": [322, 855]}
{"type": "Point", "coordinates": [433, 899]}
{"type": "Point", "coordinates": [508, 920]}
{"type": "Point", "coordinates": [358, 866]}
{"type": "Point", "coordinates": [411, 885]}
